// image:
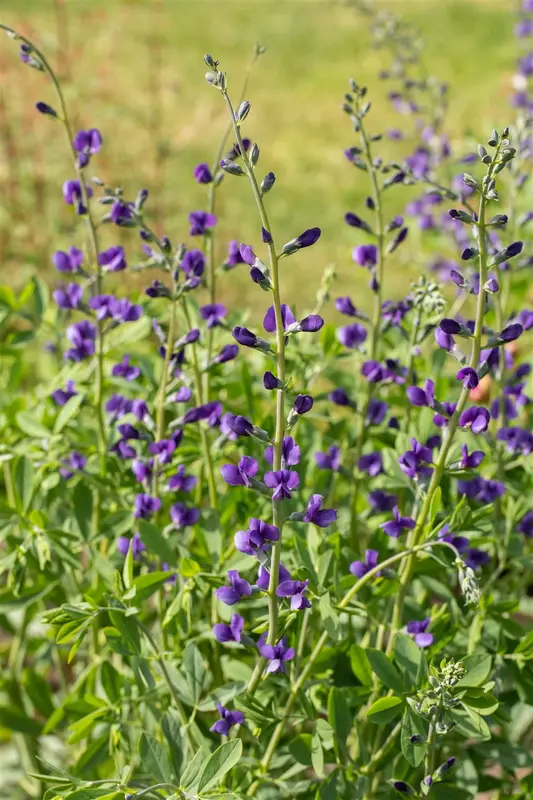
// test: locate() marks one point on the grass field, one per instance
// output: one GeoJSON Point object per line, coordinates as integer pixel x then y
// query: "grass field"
{"type": "Point", "coordinates": [135, 70]}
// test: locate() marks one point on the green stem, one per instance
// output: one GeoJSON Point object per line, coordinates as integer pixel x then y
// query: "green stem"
{"type": "Point", "coordinates": [160, 410]}
{"type": "Point", "coordinates": [279, 434]}
{"type": "Point", "coordinates": [429, 760]}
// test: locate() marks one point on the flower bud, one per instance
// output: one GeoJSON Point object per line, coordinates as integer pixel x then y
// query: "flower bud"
{"type": "Point", "coordinates": [268, 182]}
{"type": "Point", "coordinates": [231, 167]}
{"type": "Point", "coordinates": [242, 112]}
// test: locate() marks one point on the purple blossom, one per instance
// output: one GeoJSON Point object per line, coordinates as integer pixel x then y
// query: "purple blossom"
{"type": "Point", "coordinates": [68, 297]}
{"type": "Point", "coordinates": [257, 536]}
{"type": "Point", "coordinates": [417, 629]}
{"type": "Point", "coordinates": [125, 370]}
{"type": "Point", "coordinates": [75, 462]}
{"type": "Point", "coordinates": [213, 313]}
{"type": "Point", "coordinates": [241, 474]}
{"type": "Point", "coordinates": [276, 654]}
{"type": "Point", "coordinates": [303, 404]}
{"type": "Point", "coordinates": [471, 460]}
{"type": "Point", "coordinates": [245, 337]}
{"type": "Point", "coordinates": [263, 577]}
{"type": "Point", "coordinates": [329, 460]}
{"type": "Point", "coordinates": [121, 212]}
{"type": "Point", "coordinates": [227, 353]}
{"type": "Point", "coordinates": [193, 263]}
{"type": "Point", "coordinates": [422, 397]}
{"type": "Point", "coordinates": [345, 306]}
{"type": "Point", "coordinates": [270, 382]}
{"type": "Point", "coordinates": [202, 173]}
{"type": "Point", "coordinates": [81, 336]}
{"type": "Point", "coordinates": [414, 462]}
{"type": "Point", "coordinates": [73, 195]}
{"type": "Point", "coordinates": [181, 482]}
{"type": "Point", "coordinates": [371, 463]}
{"type": "Point", "coordinates": [366, 255]}
{"type": "Point", "coordinates": [240, 425]}
{"type": "Point", "coordinates": [296, 591]}
{"type": "Point", "coordinates": [113, 259]}
{"type": "Point", "coordinates": [122, 310]}
{"type": "Point", "coordinates": [183, 395]}
{"type": "Point", "coordinates": [183, 517]}
{"type": "Point", "coordinates": [142, 470]}
{"type": "Point", "coordinates": [518, 440]}
{"type": "Point", "coordinates": [137, 546]}
{"type": "Point", "coordinates": [287, 317]}
{"type": "Point", "coordinates": [237, 589]}
{"type": "Point", "coordinates": [145, 506]}
{"type": "Point", "coordinates": [394, 527]}
{"type": "Point", "coordinates": [376, 412]}
{"type": "Point", "coordinates": [340, 398]}
{"type": "Point", "coordinates": [227, 718]}
{"type": "Point", "coordinates": [234, 254]}
{"type": "Point", "coordinates": [444, 340]}
{"type": "Point", "coordinates": [200, 222]}
{"type": "Point", "coordinates": [381, 501]}
{"type": "Point", "coordinates": [282, 481]}
{"type": "Point", "coordinates": [86, 144]}
{"type": "Point", "coordinates": [102, 305]}
{"type": "Point", "coordinates": [290, 453]}
{"type": "Point", "coordinates": [352, 335]}
{"type": "Point", "coordinates": [163, 450]}
{"type": "Point", "coordinates": [62, 396]}
{"type": "Point", "coordinates": [360, 568]}
{"type": "Point", "coordinates": [68, 262]}
{"type": "Point", "coordinates": [469, 377]}
{"type": "Point", "coordinates": [321, 517]}
{"type": "Point", "coordinates": [476, 418]}
{"type": "Point", "coordinates": [439, 419]}
{"type": "Point", "coordinates": [229, 633]}
{"type": "Point", "coordinates": [526, 524]}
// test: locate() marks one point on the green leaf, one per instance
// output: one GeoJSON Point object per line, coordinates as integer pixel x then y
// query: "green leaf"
{"type": "Point", "coordinates": [112, 681]}
{"type": "Point", "coordinates": [478, 668]}
{"type": "Point", "coordinates": [146, 585]}
{"type": "Point", "coordinates": [32, 427]}
{"type": "Point", "coordinates": [412, 725]}
{"type": "Point", "coordinates": [300, 749]}
{"type": "Point", "coordinates": [329, 616]}
{"type": "Point", "coordinates": [385, 670]}
{"type": "Point", "coordinates": [171, 727]}
{"type": "Point", "coordinates": [154, 758]}
{"type": "Point", "coordinates": [127, 569]}
{"type": "Point", "coordinates": [482, 702]}
{"type": "Point", "coordinates": [194, 668]}
{"type": "Point", "coordinates": [67, 412]}
{"type": "Point", "coordinates": [436, 502]}
{"type": "Point", "coordinates": [385, 709]}
{"type": "Point", "coordinates": [155, 542]}
{"type": "Point", "coordinates": [24, 479]}
{"type": "Point", "coordinates": [189, 778]}
{"type": "Point", "coordinates": [470, 724]}
{"type": "Point", "coordinates": [223, 759]}
{"type": "Point", "coordinates": [407, 656]}
{"type": "Point", "coordinates": [82, 498]}
{"type": "Point", "coordinates": [339, 714]}
{"type": "Point", "coordinates": [14, 719]}
{"type": "Point", "coordinates": [360, 665]}
{"type": "Point", "coordinates": [317, 755]}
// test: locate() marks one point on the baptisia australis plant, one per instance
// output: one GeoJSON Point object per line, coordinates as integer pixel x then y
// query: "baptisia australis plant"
{"type": "Point", "coordinates": [259, 586]}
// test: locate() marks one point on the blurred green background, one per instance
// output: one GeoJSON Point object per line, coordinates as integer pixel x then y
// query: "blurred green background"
{"type": "Point", "coordinates": [135, 70]}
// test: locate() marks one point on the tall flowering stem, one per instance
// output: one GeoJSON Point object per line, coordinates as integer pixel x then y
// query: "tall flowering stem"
{"type": "Point", "coordinates": [486, 193]}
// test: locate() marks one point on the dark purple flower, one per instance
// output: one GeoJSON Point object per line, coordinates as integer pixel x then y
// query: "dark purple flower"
{"type": "Point", "coordinates": [303, 404]}
{"type": "Point", "coordinates": [213, 313]}
{"type": "Point", "coordinates": [352, 335]}
{"type": "Point", "coordinates": [439, 419]}
{"type": "Point", "coordinates": [142, 469]}
{"type": "Point", "coordinates": [360, 568]}
{"type": "Point", "coordinates": [237, 589]}
{"type": "Point", "coordinates": [227, 718]}
{"type": "Point", "coordinates": [510, 333]}
{"type": "Point", "coordinates": [122, 310]}
{"type": "Point", "coordinates": [240, 475]}
{"type": "Point", "coordinates": [376, 412]}
{"type": "Point", "coordinates": [244, 336]}
{"type": "Point", "coordinates": [202, 173]}
{"type": "Point", "coordinates": [263, 577]}
{"type": "Point", "coordinates": [247, 255]}
{"type": "Point", "coordinates": [257, 536]}
{"type": "Point", "coordinates": [346, 307]}
{"type": "Point", "coordinates": [476, 418]}
{"type": "Point", "coordinates": [183, 395]}
{"type": "Point", "coordinates": [444, 340]}
{"type": "Point", "coordinates": [128, 431]}
{"type": "Point", "coordinates": [118, 405]}
{"type": "Point", "coordinates": [422, 397]}
{"type": "Point", "coordinates": [471, 460]}
{"type": "Point", "coordinates": [81, 336]}
{"type": "Point", "coordinates": [450, 326]}
{"type": "Point", "coordinates": [228, 353]}
{"type": "Point", "coordinates": [306, 239]}
{"type": "Point", "coordinates": [518, 440]}
{"type": "Point", "coordinates": [121, 212]}
{"type": "Point", "coordinates": [68, 297]}
{"type": "Point", "coordinates": [366, 255]}
{"type": "Point", "coordinates": [181, 482]}
{"type": "Point", "coordinates": [125, 370]}
{"type": "Point", "coordinates": [381, 501]}
{"type": "Point", "coordinates": [469, 377]}
{"type": "Point", "coordinates": [283, 481]}
{"type": "Point", "coordinates": [73, 463]}
{"type": "Point", "coordinates": [145, 506]}
{"type": "Point", "coordinates": [163, 450]}
{"type": "Point", "coordinates": [414, 462]}
{"type": "Point", "coordinates": [269, 322]}
{"type": "Point", "coordinates": [394, 527]}
{"type": "Point", "coordinates": [311, 323]}
{"type": "Point", "coordinates": [102, 305]}
{"type": "Point", "coordinates": [417, 629]}
{"type": "Point", "coordinates": [270, 381]}
{"type": "Point", "coordinates": [182, 516]}
{"type": "Point", "coordinates": [73, 195]}
{"type": "Point", "coordinates": [86, 144]}
{"type": "Point", "coordinates": [321, 517]}
{"type": "Point", "coordinates": [526, 524]}
{"type": "Point", "coordinates": [329, 460]}
{"type": "Point", "coordinates": [355, 222]}
{"type": "Point", "coordinates": [137, 546]}
{"type": "Point", "coordinates": [296, 591]}
{"type": "Point", "coordinates": [476, 558]}
{"type": "Point", "coordinates": [276, 654]}
{"type": "Point", "coordinates": [340, 398]}
{"type": "Point", "coordinates": [370, 463]}
{"type": "Point", "coordinates": [68, 262]}
{"type": "Point", "coordinates": [229, 633]}
{"type": "Point", "coordinates": [61, 396]}
{"type": "Point", "coordinates": [290, 453]}
{"type": "Point", "coordinates": [113, 259]}
{"type": "Point", "coordinates": [193, 263]}
{"type": "Point", "coordinates": [240, 425]}
{"type": "Point", "coordinates": [234, 254]}
{"type": "Point", "coordinates": [200, 222]}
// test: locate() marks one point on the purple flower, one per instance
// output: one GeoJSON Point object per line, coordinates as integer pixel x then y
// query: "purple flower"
{"type": "Point", "coordinates": [229, 633]}
{"type": "Point", "coordinates": [125, 370]}
{"type": "Point", "coordinates": [73, 463]}
{"type": "Point", "coordinates": [395, 526]}
{"type": "Point", "coordinates": [439, 419]}
{"type": "Point", "coordinates": [213, 313]}
{"type": "Point", "coordinates": [290, 453]}
{"type": "Point", "coordinates": [121, 212]}
{"type": "Point", "coordinates": [234, 254]}
{"type": "Point", "coordinates": [113, 259]}
{"type": "Point", "coordinates": [240, 475]}
{"type": "Point", "coordinates": [227, 718]}
{"type": "Point", "coordinates": [123, 311]}
{"type": "Point", "coordinates": [346, 307]}
{"type": "Point", "coordinates": [469, 377]}
{"type": "Point", "coordinates": [311, 324]}
{"type": "Point", "coordinates": [526, 524]}
{"type": "Point", "coordinates": [366, 255]}
{"type": "Point", "coordinates": [360, 568]}
{"type": "Point", "coordinates": [228, 353]}
{"type": "Point", "coordinates": [128, 431]}
{"type": "Point", "coordinates": [182, 516]}
{"type": "Point", "coordinates": [355, 222]}
{"type": "Point", "coordinates": [381, 501]}
{"type": "Point", "coordinates": [305, 239]}
{"type": "Point", "coordinates": [145, 506]}
{"type": "Point", "coordinates": [247, 255]}
{"type": "Point", "coordinates": [321, 517]}
{"type": "Point", "coordinates": [476, 418]}
{"type": "Point", "coordinates": [81, 336]}
{"type": "Point", "coordinates": [283, 481]}
{"type": "Point", "coordinates": [476, 558]}
{"type": "Point", "coordinates": [163, 450]}
{"type": "Point", "coordinates": [202, 173]}
{"type": "Point", "coordinates": [244, 336]}
{"type": "Point", "coordinates": [137, 546]}
{"type": "Point", "coordinates": [422, 397]}
{"type": "Point", "coordinates": [376, 412]}
{"type": "Point", "coordinates": [340, 398]}
{"type": "Point", "coordinates": [102, 305]}
{"type": "Point", "coordinates": [181, 482]}
{"type": "Point", "coordinates": [370, 463]}
{"type": "Point", "coordinates": [68, 262]}
{"type": "Point", "coordinates": [118, 405]}
{"type": "Point", "coordinates": [237, 589]}
{"type": "Point", "coordinates": [276, 654]}
{"type": "Point", "coordinates": [62, 396]}
{"type": "Point", "coordinates": [303, 404]}
{"type": "Point", "coordinates": [73, 195]}
{"type": "Point", "coordinates": [183, 395]}
{"type": "Point", "coordinates": [296, 591]}
{"type": "Point", "coordinates": [287, 317]}
{"type": "Point", "coordinates": [417, 629]}
{"type": "Point", "coordinates": [200, 222]}
{"type": "Point", "coordinates": [270, 382]}
{"type": "Point", "coordinates": [68, 297]}
{"type": "Point", "coordinates": [240, 425]}
{"type": "Point", "coordinates": [86, 144]}
{"type": "Point", "coordinates": [142, 469]}
{"type": "Point", "coordinates": [329, 460]}
{"type": "Point", "coordinates": [352, 335]}
{"type": "Point", "coordinates": [263, 577]}
{"type": "Point", "coordinates": [444, 340]}
{"type": "Point", "coordinates": [414, 462]}
{"type": "Point", "coordinates": [256, 537]}
{"type": "Point", "coordinates": [472, 460]}
{"type": "Point", "coordinates": [193, 263]}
